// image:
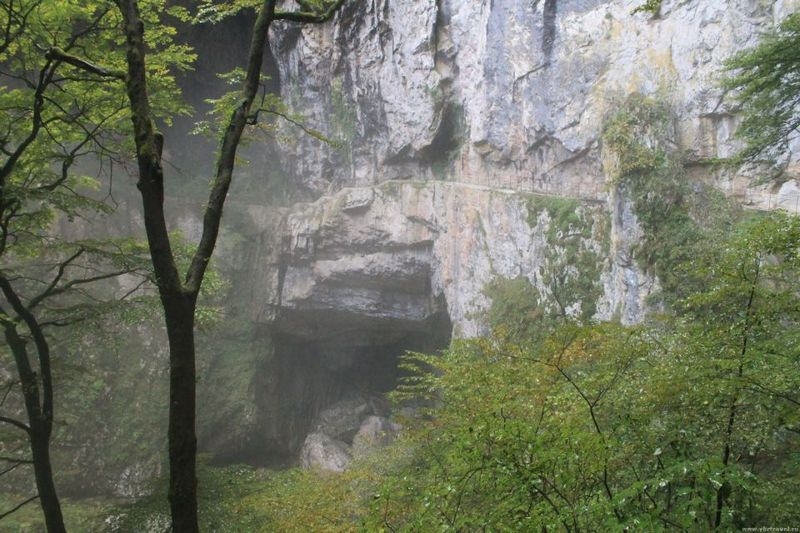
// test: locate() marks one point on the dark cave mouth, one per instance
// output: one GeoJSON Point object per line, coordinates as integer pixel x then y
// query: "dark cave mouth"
{"type": "Point", "coordinates": [353, 360]}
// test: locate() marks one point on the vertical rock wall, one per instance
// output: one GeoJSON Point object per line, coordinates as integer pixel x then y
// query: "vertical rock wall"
{"type": "Point", "coordinates": [479, 104]}
{"type": "Point", "coordinates": [508, 93]}
{"type": "Point", "coordinates": [468, 149]}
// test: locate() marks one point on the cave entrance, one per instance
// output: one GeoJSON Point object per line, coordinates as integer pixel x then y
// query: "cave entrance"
{"type": "Point", "coordinates": [340, 367]}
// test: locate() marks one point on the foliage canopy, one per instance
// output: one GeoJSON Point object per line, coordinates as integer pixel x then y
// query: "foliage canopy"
{"type": "Point", "coordinates": [690, 423]}
{"type": "Point", "coordinates": [687, 423]}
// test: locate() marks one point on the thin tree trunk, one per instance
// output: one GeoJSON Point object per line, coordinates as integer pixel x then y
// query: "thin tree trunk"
{"type": "Point", "coordinates": [39, 430]}
{"type": "Point", "coordinates": [177, 301]}
{"type": "Point", "coordinates": [179, 313]}
{"type": "Point", "coordinates": [43, 471]}
{"type": "Point", "coordinates": [724, 489]}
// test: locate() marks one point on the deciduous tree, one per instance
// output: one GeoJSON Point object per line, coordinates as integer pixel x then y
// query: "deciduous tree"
{"type": "Point", "coordinates": [61, 116]}
{"type": "Point", "coordinates": [766, 84]}
{"type": "Point", "coordinates": [687, 423]}
{"type": "Point", "coordinates": [179, 291]}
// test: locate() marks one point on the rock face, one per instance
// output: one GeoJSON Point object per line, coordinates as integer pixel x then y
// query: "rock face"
{"type": "Point", "coordinates": [354, 290]}
{"type": "Point", "coordinates": [507, 93]}
{"type": "Point", "coordinates": [469, 150]}
{"type": "Point", "coordinates": [392, 257]}
{"type": "Point", "coordinates": [360, 277]}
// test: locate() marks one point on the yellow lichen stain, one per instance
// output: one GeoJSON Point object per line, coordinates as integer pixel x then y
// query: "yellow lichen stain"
{"type": "Point", "coordinates": [660, 61]}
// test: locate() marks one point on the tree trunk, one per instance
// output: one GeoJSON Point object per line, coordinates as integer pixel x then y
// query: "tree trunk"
{"type": "Point", "coordinates": [42, 467]}
{"type": "Point", "coordinates": [179, 312]}
{"type": "Point", "coordinates": [40, 426]}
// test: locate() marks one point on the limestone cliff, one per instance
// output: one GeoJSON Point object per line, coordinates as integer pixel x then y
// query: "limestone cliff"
{"type": "Point", "coordinates": [509, 93]}
{"type": "Point", "coordinates": [477, 105]}
{"type": "Point", "coordinates": [469, 149]}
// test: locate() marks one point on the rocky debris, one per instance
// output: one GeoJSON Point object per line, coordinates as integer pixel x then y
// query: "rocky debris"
{"type": "Point", "coordinates": [347, 429]}
{"type": "Point", "coordinates": [342, 420]}
{"type": "Point", "coordinates": [136, 481]}
{"type": "Point", "coordinates": [322, 452]}
{"type": "Point", "coordinates": [375, 432]}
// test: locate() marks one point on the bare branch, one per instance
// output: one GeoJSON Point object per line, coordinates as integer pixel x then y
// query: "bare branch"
{"type": "Point", "coordinates": [15, 460]}
{"type": "Point", "coordinates": [763, 389]}
{"type": "Point", "coordinates": [134, 290]}
{"type": "Point", "coordinates": [7, 392]}
{"type": "Point", "coordinates": [42, 346]}
{"type": "Point", "coordinates": [18, 507]}
{"type": "Point", "coordinates": [13, 467]}
{"type": "Point", "coordinates": [62, 268]}
{"type": "Point", "coordinates": [16, 423]}
{"type": "Point", "coordinates": [309, 131]}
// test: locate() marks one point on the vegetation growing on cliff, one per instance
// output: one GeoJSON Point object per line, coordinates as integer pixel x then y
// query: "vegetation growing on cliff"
{"type": "Point", "coordinates": [576, 237]}
{"type": "Point", "coordinates": [649, 6]}
{"type": "Point", "coordinates": [675, 214]}
{"type": "Point", "coordinates": [517, 307]}
{"type": "Point", "coordinates": [647, 169]}
{"type": "Point", "coordinates": [766, 85]}
{"type": "Point", "coordinates": [344, 121]}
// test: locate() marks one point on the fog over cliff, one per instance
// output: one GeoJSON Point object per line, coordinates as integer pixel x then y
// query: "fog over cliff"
{"type": "Point", "coordinates": [466, 147]}
{"type": "Point", "coordinates": [455, 125]}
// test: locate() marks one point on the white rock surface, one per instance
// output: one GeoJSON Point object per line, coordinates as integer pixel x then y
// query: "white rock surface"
{"type": "Point", "coordinates": [789, 197]}
{"type": "Point", "coordinates": [508, 93]}
{"type": "Point", "coordinates": [322, 452]}
{"type": "Point", "coordinates": [374, 433]}
{"type": "Point", "coordinates": [419, 248]}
